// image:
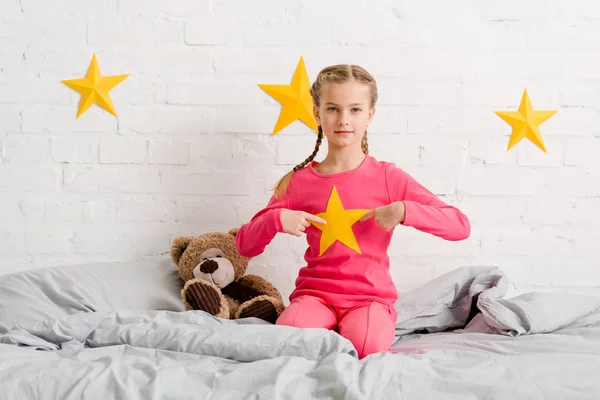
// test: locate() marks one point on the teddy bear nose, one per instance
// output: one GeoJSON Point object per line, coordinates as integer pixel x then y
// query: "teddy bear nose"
{"type": "Point", "coordinates": [209, 266]}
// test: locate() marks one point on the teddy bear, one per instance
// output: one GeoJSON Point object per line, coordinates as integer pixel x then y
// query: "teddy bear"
{"type": "Point", "coordinates": [216, 282]}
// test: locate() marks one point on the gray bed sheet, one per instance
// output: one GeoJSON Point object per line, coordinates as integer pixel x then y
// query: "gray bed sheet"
{"type": "Point", "coordinates": [459, 337]}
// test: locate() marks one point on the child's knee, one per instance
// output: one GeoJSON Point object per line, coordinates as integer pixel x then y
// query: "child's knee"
{"type": "Point", "coordinates": [308, 312]}
{"type": "Point", "coordinates": [370, 329]}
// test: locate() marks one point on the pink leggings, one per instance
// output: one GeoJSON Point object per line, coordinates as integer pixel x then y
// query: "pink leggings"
{"type": "Point", "coordinates": [369, 326]}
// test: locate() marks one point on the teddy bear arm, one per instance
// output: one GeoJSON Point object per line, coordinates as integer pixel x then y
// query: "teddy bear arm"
{"type": "Point", "coordinates": [261, 285]}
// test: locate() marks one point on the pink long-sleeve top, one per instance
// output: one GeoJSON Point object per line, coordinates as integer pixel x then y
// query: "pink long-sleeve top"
{"type": "Point", "coordinates": [345, 275]}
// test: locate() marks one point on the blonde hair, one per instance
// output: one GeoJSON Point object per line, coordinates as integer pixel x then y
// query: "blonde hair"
{"type": "Point", "coordinates": [335, 74]}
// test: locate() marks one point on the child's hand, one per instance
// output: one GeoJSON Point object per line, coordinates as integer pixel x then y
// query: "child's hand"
{"type": "Point", "coordinates": [296, 222]}
{"type": "Point", "coordinates": [387, 216]}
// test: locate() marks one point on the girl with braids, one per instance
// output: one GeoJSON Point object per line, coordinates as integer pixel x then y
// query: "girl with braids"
{"type": "Point", "coordinates": [347, 206]}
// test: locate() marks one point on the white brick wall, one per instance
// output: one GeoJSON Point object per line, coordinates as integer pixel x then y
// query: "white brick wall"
{"type": "Point", "coordinates": [192, 151]}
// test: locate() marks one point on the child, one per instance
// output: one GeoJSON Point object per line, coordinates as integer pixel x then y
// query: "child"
{"type": "Point", "coordinates": [347, 206]}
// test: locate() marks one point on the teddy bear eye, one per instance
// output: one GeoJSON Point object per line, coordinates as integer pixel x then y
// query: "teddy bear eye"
{"type": "Point", "coordinates": [219, 256]}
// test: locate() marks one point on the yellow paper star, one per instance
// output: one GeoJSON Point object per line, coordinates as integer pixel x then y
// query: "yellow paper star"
{"type": "Point", "coordinates": [295, 100]}
{"type": "Point", "coordinates": [339, 224]}
{"type": "Point", "coordinates": [94, 88]}
{"type": "Point", "coordinates": [525, 123]}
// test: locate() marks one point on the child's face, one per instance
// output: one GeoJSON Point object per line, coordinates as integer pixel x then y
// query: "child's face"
{"type": "Point", "coordinates": [344, 113]}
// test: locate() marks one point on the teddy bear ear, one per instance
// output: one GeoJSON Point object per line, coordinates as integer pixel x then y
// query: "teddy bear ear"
{"type": "Point", "coordinates": [178, 247]}
{"type": "Point", "coordinates": [233, 231]}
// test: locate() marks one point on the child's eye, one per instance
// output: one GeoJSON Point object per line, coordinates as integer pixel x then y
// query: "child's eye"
{"type": "Point", "coordinates": [331, 109]}
{"type": "Point", "coordinates": [356, 109]}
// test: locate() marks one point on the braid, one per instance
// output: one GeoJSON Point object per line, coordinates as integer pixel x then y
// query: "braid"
{"type": "Point", "coordinates": [314, 153]}
{"type": "Point", "coordinates": [281, 188]}
{"type": "Point", "coordinates": [364, 145]}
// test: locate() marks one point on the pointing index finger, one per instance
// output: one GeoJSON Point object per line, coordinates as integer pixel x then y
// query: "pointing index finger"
{"type": "Point", "coordinates": [368, 215]}
{"type": "Point", "coordinates": [314, 218]}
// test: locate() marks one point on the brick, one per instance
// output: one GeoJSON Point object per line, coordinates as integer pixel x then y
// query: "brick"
{"type": "Point", "coordinates": [399, 149]}
{"type": "Point", "coordinates": [176, 8]}
{"type": "Point", "coordinates": [413, 243]}
{"type": "Point", "coordinates": [168, 152]}
{"type": "Point", "coordinates": [411, 272]}
{"type": "Point", "coordinates": [571, 122]}
{"type": "Point", "coordinates": [585, 151]}
{"type": "Point", "coordinates": [32, 210]}
{"type": "Point", "coordinates": [563, 35]}
{"type": "Point", "coordinates": [236, 60]}
{"type": "Point", "coordinates": [254, 119]}
{"type": "Point", "coordinates": [213, 30]}
{"type": "Point", "coordinates": [444, 152]}
{"type": "Point", "coordinates": [531, 155]}
{"type": "Point", "coordinates": [579, 94]}
{"type": "Point", "coordinates": [10, 7]}
{"type": "Point", "coordinates": [439, 180]}
{"type": "Point", "coordinates": [65, 211]}
{"type": "Point", "coordinates": [9, 211]}
{"type": "Point", "coordinates": [226, 92]}
{"type": "Point", "coordinates": [122, 151]}
{"type": "Point", "coordinates": [410, 92]}
{"type": "Point", "coordinates": [12, 242]}
{"type": "Point", "coordinates": [500, 66]}
{"type": "Point", "coordinates": [565, 212]}
{"type": "Point", "coordinates": [293, 150]}
{"type": "Point", "coordinates": [523, 241]}
{"type": "Point", "coordinates": [483, 35]}
{"type": "Point", "coordinates": [10, 119]}
{"type": "Point", "coordinates": [12, 62]}
{"type": "Point", "coordinates": [61, 120]}
{"type": "Point", "coordinates": [501, 180]}
{"type": "Point", "coordinates": [453, 121]}
{"type": "Point", "coordinates": [112, 243]}
{"type": "Point", "coordinates": [549, 272]}
{"type": "Point", "coordinates": [56, 60]}
{"type": "Point", "coordinates": [254, 150]}
{"type": "Point", "coordinates": [142, 91]}
{"type": "Point", "coordinates": [577, 182]}
{"type": "Point", "coordinates": [212, 149]}
{"type": "Point", "coordinates": [205, 182]}
{"type": "Point", "coordinates": [38, 90]}
{"type": "Point", "coordinates": [138, 31]}
{"type": "Point", "coordinates": [513, 10]}
{"type": "Point", "coordinates": [264, 11]}
{"type": "Point", "coordinates": [391, 32]}
{"type": "Point", "coordinates": [167, 62]}
{"type": "Point", "coordinates": [28, 179]}
{"type": "Point", "coordinates": [111, 179]}
{"type": "Point", "coordinates": [21, 31]}
{"type": "Point", "coordinates": [165, 120]}
{"type": "Point", "coordinates": [580, 64]}
{"type": "Point", "coordinates": [388, 120]}
{"type": "Point", "coordinates": [100, 211]}
{"type": "Point", "coordinates": [491, 150]}
{"type": "Point", "coordinates": [48, 242]}
{"type": "Point", "coordinates": [214, 210]}
{"type": "Point", "coordinates": [284, 34]}
{"type": "Point", "coordinates": [69, 150]}
{"type": "Point", "coordinates": [26, 150]}
{"type": "Point", "coordinates": [140, 211]}
{"type": "Point", "coordinates": [494, 211]}
{"type": "Point", "coordinates": [39, 8]}
{"type": "Point", "coordinates": [144, 65]}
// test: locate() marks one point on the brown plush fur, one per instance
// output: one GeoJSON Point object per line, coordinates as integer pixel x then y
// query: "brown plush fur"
{"type": "Point", "coordinates": [246, 296]}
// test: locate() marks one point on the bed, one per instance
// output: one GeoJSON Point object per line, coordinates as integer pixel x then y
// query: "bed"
{"type": "Point", "coordinates": [119, 331]}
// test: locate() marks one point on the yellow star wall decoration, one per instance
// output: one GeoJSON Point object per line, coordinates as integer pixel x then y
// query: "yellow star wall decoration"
{"type": "Point", "coordinates": [339, 224]}
{"type": "Point", "coordinates": [94, 88]}
{"type": "Point", "coordinates": [526, 123]}
{"type": "Point", "coordinates": [296, 102]}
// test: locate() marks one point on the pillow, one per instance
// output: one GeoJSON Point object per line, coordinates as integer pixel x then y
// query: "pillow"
{"type": "Point", "coordinates": [37, 295]}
